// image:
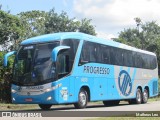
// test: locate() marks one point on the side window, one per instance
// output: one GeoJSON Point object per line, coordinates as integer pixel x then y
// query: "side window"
{"type": "Point", "coordinates": [128, 58]}
{"type": "Point", "coordinates": [72, 51]}
{"type": "Point", "coordinates": [149, 61]}
{"type": "Point", "coordinates": [92, 52]}
{"type": "Point", "coordinates": [118, 56]}
{"type": "Point", "coordinates": [84, 53]}
{"type": "Point", "coordinates": [145, 61]}
{"type": "Point", "coordinates": [153, 62]}
{"type": "Point", "coordinates": [139, 61]}
{"type": "Point", "coordinates": [112, 56]}
{"type": "Point", "coordinates": [105, 54]}
{"type": "Point", "coordinates": [99, 53]}
{"type": "Point", "coordinates": [62, 64]}
{"type": "Point", "coordinates": [89, 53]}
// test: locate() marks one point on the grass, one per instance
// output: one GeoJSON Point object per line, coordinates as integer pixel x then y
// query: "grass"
{"type": "Point", "coordinates": [154, 99]}
{"type": "Point", "coordinates": [4, 106]}
{"type": "Point", "coordinates": [124, 118]}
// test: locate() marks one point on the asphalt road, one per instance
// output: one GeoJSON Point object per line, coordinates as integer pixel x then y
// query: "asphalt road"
{"type": "Point", "coordinates": [151, 109]}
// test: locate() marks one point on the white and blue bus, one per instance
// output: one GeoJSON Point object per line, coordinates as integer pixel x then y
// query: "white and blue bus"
{"type": "Point", "coordinates": [75, 68]}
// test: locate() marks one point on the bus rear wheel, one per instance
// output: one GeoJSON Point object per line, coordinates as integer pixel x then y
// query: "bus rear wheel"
{"type": "Point", "coordinates": [145, 96]}
{"type": "Point", "coordinates": [45, 106]}
{"type": "Point", "coordinates": [111, 103]}
{"type": "Point", "coordinates": [138, 99]}
{"type": "Point", "coordinates": [82, 99]}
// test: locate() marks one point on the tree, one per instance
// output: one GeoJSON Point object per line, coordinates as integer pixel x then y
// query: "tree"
{"type": "Point", "coordinates": [11, 30]}
{"type": "Point", "coordinates": [39, 22]}
{"type": "Point", "coordinates": [34, 22]}
{"type": "Point", "coordinates": [130, 37]}
{"type": "Point", "coordinates": [62, 23]}
{"type": "Point", "coordinates": [86, 27]}
{"type": "Point", "coordinates": [5, 79]}
{"type": "Point", "coordinates": [146, 36]}
{"type": "Point", "coordinates": [146, 39]}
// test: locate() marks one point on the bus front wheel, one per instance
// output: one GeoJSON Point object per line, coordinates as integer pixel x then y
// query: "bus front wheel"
{"type": "Point", "coordinates": [45, 106]}
{"type": "Point", "coordinates": [82, 99]}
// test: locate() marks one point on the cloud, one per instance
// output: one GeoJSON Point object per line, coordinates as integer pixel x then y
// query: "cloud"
{"type": "Point", "coordinates": [112, 16]}
{"type": "Point", "coordinates": [105, 35]}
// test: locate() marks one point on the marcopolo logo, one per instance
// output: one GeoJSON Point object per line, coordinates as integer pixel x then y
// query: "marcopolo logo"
{"type": "Point", "coordinates": [125, 83]}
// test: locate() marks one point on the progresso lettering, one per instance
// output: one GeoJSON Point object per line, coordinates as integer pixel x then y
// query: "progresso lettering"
{"type": "Point", "coordinates": [96, 70]}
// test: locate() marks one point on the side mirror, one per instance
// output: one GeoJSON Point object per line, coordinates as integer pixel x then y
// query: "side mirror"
{"type": "Point", "coordinates": [6, 57]}
{"type": "Point", "coordinates": [56, 50]}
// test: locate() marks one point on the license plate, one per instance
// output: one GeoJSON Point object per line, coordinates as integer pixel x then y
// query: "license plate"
{"type": "Point", "coordinates": [28, 100]}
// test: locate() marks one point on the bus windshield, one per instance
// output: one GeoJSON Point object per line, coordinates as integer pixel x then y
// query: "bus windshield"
{"type": "Point", "coordinates": [33, 64]}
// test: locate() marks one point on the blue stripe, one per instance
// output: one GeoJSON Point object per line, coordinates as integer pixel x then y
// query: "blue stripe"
{"type": "Point", "coordinates": [126, 85]}
{"type": "Point", "coordinates": [134, 74]}
{"type": "Point", "coordinates": [123, 84]}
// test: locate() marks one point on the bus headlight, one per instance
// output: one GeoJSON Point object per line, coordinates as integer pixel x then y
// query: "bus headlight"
{"type": "Point", "coordinates": [13, 91]}
{"type": "Point", "coordinates": [49, 98]}
{"type": "Point", "coordinates": [52, 88]}
{"type": "Point", "coordinates": [13, 99]}
{"type": "Point", "coordinates": [48, 90]}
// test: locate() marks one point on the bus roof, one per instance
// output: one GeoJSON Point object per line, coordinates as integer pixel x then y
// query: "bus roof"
{"type": "Point", "coordinates": [80, 36]}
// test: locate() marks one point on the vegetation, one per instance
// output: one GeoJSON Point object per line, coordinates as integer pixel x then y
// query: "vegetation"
{"type": "Point", "coordinates": [5, 79]}
{"type": "Point", "coordinates": [124, 118]}
{"type": "Point", "coordinates": [16, 28]}
{"type": "Point", "coordinates": [11, 30]}
{"type": "Point", "coordinates": [144, 36]}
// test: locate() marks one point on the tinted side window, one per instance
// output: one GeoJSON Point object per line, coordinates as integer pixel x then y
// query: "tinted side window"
{"type": "Point", "coordinates": [85, 53]}
{"type": "Point", "coordinates": [112, 56]}
{"type": "Point", "coordinates": [153, 62]}
{"type": "Point", "coordinates": [138, 60]}
{"type": "Point", "coordinates": [72, 51]}
{"type": "Point", "coordinates": [98, 53]}
{"type": "Point", "coordinates": [105, 54]}
{"type": "Point", "coordinates": [90, 53]}
{"type": "Point", "coordinates": [128, 59]}
{"type": "Point", "coordinates": [118, 56]}
{"type": "Point", "coordinates": [149, 61]}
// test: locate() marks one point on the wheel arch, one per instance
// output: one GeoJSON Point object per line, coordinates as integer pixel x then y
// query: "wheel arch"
{"type": "Point", "coordinates": [140, 87]}
{"type": "Point", "coordinates": [147, 88]}
{"type": "Point", "coordinates": [87, 89]}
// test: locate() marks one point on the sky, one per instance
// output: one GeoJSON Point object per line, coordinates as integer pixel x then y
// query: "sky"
{"type": "Point", "coordinates": [108, 16]}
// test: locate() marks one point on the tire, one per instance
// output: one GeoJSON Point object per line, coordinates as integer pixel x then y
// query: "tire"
{"type": "Point", "coordinates": [145, 96]}
{"type": "Point", "coordinates": [138, 99]}
{"type": "Point", "coordinates": [45, 106]}
{"type": "Point", "coordinates": [111, 103]}
{"type": "Point", "coordinates": [82, 99]}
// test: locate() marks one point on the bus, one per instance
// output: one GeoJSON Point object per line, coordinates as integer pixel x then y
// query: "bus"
{"type": "Point", "coordinates": [76, 68]}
